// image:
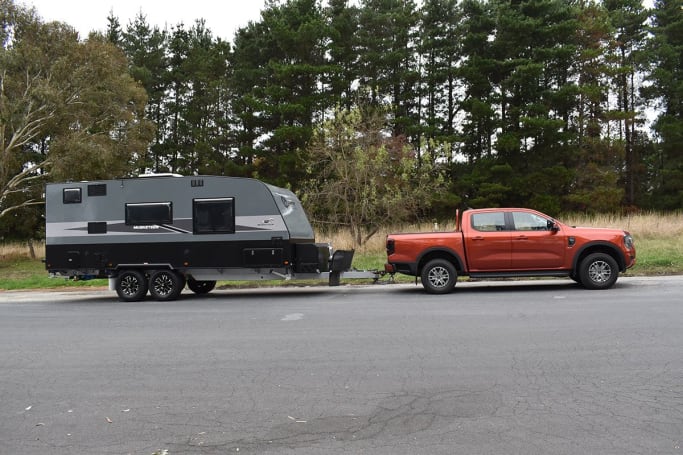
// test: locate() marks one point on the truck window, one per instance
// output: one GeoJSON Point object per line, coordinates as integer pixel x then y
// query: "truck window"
{"type": "Point", "coordinates": [488, 222]}
{"type": "Point", "coordinates": [529, 222]}
{"type": "Point", "coordinates": [149, 213]}
{"type": "Point", "coordinates": [213, 216]}
{"type": "Point", "coordinates": [71, 196]}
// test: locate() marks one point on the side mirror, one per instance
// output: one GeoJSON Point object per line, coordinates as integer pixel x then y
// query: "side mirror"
{"type": "Point", "coordinates": [553, 226]}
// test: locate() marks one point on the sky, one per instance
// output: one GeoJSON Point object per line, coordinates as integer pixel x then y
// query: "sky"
{"type": "Point", "coordinates": [223, 17]}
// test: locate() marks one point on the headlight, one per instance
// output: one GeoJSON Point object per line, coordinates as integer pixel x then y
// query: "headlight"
{"type": "Point", "coordinates": [628, 241]}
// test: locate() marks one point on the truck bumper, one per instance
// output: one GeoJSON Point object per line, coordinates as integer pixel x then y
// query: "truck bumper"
{"type": "Point", "coordinates": [400, 267]}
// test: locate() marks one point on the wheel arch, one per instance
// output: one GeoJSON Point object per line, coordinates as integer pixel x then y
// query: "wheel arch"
{"type": "Point", "coordinates": [145, 268]}
{"type": "Point", "coordinates": [599, 247]}
{"type": "Point", "coordinates": [439, 253]}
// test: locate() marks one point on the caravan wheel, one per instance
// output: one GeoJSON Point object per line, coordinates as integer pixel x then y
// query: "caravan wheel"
{"type": "Point", "coordinates": [131, 285]}
{"type": "Point", "coordinates": [201, 287]}
{"type": "Point", "coordinates": [165, 285]}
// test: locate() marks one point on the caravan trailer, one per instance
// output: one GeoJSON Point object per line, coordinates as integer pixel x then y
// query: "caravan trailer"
{"type": "Point", "coordinates": [158, 233]}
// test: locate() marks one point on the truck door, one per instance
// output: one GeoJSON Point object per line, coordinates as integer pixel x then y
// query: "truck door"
{"type": "Point", "coordinates": [535, 245]}
{"type": "Point", "coordinates": [488, 242]}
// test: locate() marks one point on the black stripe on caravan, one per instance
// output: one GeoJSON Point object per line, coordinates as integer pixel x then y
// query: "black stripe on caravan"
{"type": "Point", "coordinates": [232, 254]}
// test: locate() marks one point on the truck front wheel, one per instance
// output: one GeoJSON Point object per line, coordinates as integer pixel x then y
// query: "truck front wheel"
{"type": "Point", "coordinates": [598, 271]}
{"type": "Point", "coordinates": [439, 276]}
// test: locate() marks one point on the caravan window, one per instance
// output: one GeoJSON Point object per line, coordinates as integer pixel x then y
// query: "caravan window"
{"type": "Point", "coordinates": [71, 196]}
{"type": "Point", "coordinates": [149, 213]}
{"type": "Point", "coordinates": [214, 216]}
{"type": "Point", "coordinates": [98, 189]}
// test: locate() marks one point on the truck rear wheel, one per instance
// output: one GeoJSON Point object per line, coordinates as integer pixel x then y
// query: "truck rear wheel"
{"type": "Point", "coordinates": [131, 285]}
{"type": "Point", "coordinates": [598, 271]}
{"type": "Point", "coordinates": [201, 287]}
{"type": "Point", "coordinates": [165, 285]}
{"type": "Point", "coordinates": [439, 276]}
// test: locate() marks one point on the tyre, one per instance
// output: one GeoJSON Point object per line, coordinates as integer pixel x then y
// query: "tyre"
{"type": "Point", "coordinates": [131, 285]}
{"type": "Point", "coordinates": [201, 287]}
{"type": "Point", "coordinates": [439, 276]}
{"type": "Point", "coordinates": [165, 285]}
{"type": "Point", "coordinates": [598, 271]}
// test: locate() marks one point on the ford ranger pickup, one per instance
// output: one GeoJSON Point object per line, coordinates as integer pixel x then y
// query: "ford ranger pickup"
{"type": "Point", "coordinates": [511, 242]}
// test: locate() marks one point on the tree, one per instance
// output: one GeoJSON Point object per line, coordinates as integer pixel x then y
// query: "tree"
{"type": "Point", "coordinates": [68, 109]}
{"type": "Point", "coordinates": [360, 177]}
{"type": "Point", "coordinates": [280, 67]}
{"type": "Point", "coordinates": [146, 48]}
{"type": "Point", "coordinates": [666, 77]}
{"type": "Point", "coordinates": [476, 74]}
{"type": "Point", "coordinates": [628, 19]}
{"type": "Point", "coordinates": [248, 77]}
{"type": "Point", "coordinates": [342, 61]}
{"type": "Point", "coordinates": [200, 69]}
{"type": "Point", "coordinates": [387, 60]}
{"type": "Point", "coordinates": [114, 33]}
{"type": "Point", "coordinates": [441, 54]}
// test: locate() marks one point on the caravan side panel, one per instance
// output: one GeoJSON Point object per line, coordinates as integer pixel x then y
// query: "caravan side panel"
{"type": "Point", "coordinates": [181, 221]}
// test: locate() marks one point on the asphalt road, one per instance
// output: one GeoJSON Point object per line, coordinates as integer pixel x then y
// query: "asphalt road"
{"type": "Point", "coordinates": [494, 368]}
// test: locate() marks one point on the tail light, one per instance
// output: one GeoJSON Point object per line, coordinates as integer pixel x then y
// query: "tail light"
{"type": "Point", "coordinates": [391, 247]}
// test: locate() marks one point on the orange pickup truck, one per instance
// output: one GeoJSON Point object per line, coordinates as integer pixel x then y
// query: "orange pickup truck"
{"type": "Point", "coordinates": [511, 242]}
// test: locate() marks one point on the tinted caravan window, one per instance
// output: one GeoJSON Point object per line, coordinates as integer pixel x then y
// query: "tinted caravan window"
{"type": "Point", "coordinates": [214, 216]}
{"type": "Point", "coordinates": [71, 196]}
{"type": "Point", "coordinates": [98, 189]}
{"type": "Point", "coordinates": [149, 213]}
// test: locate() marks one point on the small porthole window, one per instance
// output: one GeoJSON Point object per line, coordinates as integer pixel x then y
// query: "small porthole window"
{"type": "Point", "coordinates": [71, 196]}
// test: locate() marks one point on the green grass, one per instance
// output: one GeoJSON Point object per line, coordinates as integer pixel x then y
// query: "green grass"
{"type": "Point", "coordinates": [23, 273]}
{"type": "Point", "coordinates": [656, 256]}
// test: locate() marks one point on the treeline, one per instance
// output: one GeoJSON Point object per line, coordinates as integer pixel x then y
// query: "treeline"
{"type": "Point", "coordinates": [560, 105]}
{"type": "Point", "coordinates": [556, 104]}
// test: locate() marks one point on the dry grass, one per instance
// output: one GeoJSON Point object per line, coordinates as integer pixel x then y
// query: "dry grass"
{"type": "Point", "coordinates": [667, 227]}
{"type": "Point", "coordinates": [17, 250]}
{"type": "Point", "coordinates": [647, 225]}
{"type": "Point", "coordinates": [643, 226]}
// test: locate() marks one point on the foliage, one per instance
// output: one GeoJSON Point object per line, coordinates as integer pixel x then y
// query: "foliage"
{"type": "Point", "coordinates": [68, 109]}
{"type": "Point", "coordinates": [544, 87]}
{"type": "Point", "coordinates": [361, 178]}
{"type": "Point", "coordinates": [532, 102]}
{"type": "Point", "coordinates": [666, 56]}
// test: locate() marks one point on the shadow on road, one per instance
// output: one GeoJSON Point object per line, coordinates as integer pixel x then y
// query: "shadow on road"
{"type": "Point", "coordinates": [105, 297]}
{"type": "Point", "coordinates": [512, 286]}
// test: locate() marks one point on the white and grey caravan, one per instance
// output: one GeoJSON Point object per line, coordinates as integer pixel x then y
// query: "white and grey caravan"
{"type": "Point", "coordinates": [157, 233]}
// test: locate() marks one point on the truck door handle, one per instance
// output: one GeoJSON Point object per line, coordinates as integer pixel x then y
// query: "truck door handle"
{"type": "Point", "coordinates": [478, 238]}
{"type": "Point", "coordinates": [522, 237]}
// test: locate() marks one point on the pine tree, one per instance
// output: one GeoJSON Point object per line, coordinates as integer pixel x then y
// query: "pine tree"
{"type": "Point", "coordinates": [666, 78]}
{"type": "Point", "coordinates": [440, 53]}
{"type": "Point", "coordinates": [387, 60]}
{"type": "Point", "coordinates": [342, 60]}
{"type": "Point", "coordinates": [146, 48]}
{"type": "Point", "coordinates": [628, 19]}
